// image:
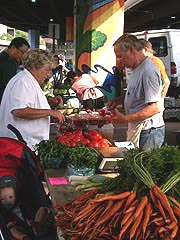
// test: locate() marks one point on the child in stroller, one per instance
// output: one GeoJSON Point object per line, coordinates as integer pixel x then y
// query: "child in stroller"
{"type": "Point", "coordinates": [24, 204]}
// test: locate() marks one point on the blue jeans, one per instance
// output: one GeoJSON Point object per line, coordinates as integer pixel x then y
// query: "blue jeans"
{"type": "Point", "coordinates": [152, 138]}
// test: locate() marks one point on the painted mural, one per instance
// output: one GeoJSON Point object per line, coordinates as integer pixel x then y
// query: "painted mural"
{"type": "Point", "coordinates": [98, 24]}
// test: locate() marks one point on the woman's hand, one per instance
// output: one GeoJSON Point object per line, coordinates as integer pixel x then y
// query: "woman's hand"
{"type": "Point", "coordinates": [58, 115]}
{"type": "Point", "coordinates": [54, 101]}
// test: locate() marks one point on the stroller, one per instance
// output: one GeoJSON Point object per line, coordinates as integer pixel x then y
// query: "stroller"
{"type": "Point", "coordinates": [29, 190]}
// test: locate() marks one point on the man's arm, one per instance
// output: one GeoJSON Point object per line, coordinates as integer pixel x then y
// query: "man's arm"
{"type": "Point", "coordinates": [148, 111]}
{"type": "Point", "coordinates": [166, 83]}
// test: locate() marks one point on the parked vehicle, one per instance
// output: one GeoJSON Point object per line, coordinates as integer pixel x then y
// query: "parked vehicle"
{"type": "Point", "coordinates": [166, 46]}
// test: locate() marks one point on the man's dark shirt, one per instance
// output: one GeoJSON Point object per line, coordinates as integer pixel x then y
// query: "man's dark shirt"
{"type": "Point", "coordinates": [8, 69]}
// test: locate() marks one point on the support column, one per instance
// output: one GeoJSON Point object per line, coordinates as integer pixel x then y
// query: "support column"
{"type": "Point", "coordinates": [33, 36]}
{"type": "Point", "coordinates": [98, 24]}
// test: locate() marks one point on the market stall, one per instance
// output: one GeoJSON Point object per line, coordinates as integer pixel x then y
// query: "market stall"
{"type": "Point", "coordinates": [110, 192]}
{"type": "Point", "coordinates": [142, 202]}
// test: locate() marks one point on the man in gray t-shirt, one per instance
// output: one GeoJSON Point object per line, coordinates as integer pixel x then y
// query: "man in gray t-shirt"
{"type": "Point", "coordinates": [143, 102]}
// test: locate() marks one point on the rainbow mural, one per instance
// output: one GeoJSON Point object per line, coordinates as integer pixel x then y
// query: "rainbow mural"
{"type": "Point", "coordinates": [98, 24]}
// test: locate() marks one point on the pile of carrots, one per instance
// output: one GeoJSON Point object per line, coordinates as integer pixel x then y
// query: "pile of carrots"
{"type": "Point", "coordinates": [124, 216]}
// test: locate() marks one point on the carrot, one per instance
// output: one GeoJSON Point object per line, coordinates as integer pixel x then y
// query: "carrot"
{"type": "Point", "coordinates": [126, 217]}
{"type": "Point", "coordinates": [96, 213]}
{"type": "Point", "coordinates": [84, 212]}
{"type": "Point", "coordinates": [88, 228]}
{"type": "Point", "coordinates": [162, 229]}
{"type": "Point", "coordinates": [160, 207]}
{"type": "Point", "coordinates": [116, 208]}
{"type": "Point", "coordinates": [152, 197]}
{"type": "Point", "coordinates": [136, 225]}
{"type": "Point", "coordinates": [168, 220]}
{"type": "Point", "coordinates": [139, 233]}
{"type": "Point", "coordinates": [125, 227]}
{"type": "Point", "coordinates": [174, 201]}
{"type": "Point", "coordinates": [117, 219]}
{"type": "Point", "coordinates": [174, 231]}
{"type": "Point", "coordinates": [164, 201]}
{"type": "Point", "coordinates": [141, 206]}
{"type": "Point", "coordinates": [108, 207]}
{"type": "Point", "coordinates": [164, 236]}
{"type": "Point", "coordinates": [147, 215]}
{"type": "Point", "coordinates": [156, 220]}
{"type": "Point", "coordinates": [147, 235]}
{"type": "Point", "coordinates": [132, 206]}
{"type": "Point", "coordinates": [176, 211]}
{"type": "Point", "coordinates": [113, 197]}
{"type": "Point", "coordinates": [159, 223]}
{"type": "Point", "coordinates": [171, 225]}
{"type": "Point", "coordinates": [130, 198]}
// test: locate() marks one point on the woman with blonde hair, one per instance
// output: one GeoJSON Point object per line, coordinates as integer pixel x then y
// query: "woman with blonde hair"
{"type": "Point", "coordinates": [24, 105]}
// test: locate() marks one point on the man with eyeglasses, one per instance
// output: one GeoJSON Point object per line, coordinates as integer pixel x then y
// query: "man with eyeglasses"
{"type": "Point", "coordinates": [143, 101]}
{"type": "Point", "coordinates": [10, 59]}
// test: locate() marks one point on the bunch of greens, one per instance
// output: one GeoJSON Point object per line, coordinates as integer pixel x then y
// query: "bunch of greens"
{"type": "Point", "coordinates": [161, 163]}
{"type": "Point", "coordinates": [54, 154]}
{"type": "Point", "coordinates": [82, 157]}
{"type": "Point", "coordinates": [51, 154]}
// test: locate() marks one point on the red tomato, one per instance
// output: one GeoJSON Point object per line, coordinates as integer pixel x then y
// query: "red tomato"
{"type": "Point", "coordinates": [72, 144]}
{"type": "Point", "coordinates": [104, 143]}
{"type": "Point", "coordinates": [63, 139]}
{"type": "Point", "coordinates": [68, 134]}
{"type": "Point", "coordinates": [78, 132]}
{"type": "Point", "coordinates": [113, 113]}
{"type": "Point", "coordinates": [102, 112]}
{"type": "Point", "coordinates": [77, 138]}
{"type": "Point", "coordinates": [93, 135]}
{"type": "Point", "coordinates": [93, 144]}
{"type": "Point", "coordinates": [85, 141]}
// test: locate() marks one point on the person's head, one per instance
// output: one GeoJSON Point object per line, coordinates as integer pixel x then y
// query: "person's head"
{"type": "Point", "coordinates": [71, 75]}
{"type": "Point", "coordinates": [147, 47]}
{"type": "Point", "coordinates": [40, 63]}
{"type": "Point", "coordinates": [70, 61]}
{"type": "Point", "coordinates": [17, 48]}
{"type": "Point", "coordinates": [129, 50]}
{"type": "Point", "coordinates": [56, 60]}
{"type": "Point", "coordinates": [62, 57]}
{"type": "Point", "coordinates": [7, 192]}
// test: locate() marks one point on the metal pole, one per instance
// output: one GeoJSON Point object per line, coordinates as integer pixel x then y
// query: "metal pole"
{"type": "Point", "coordinates": [53, 38]}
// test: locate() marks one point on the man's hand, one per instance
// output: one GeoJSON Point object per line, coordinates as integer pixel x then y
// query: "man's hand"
{"type": "Point", "coordinates": [112, 104]}
{"type": "Point", "coordinates": [117, 117]}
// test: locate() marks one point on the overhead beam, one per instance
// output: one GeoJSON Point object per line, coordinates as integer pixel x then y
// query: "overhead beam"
{"type": "Point", "coordinates": [140, 17]}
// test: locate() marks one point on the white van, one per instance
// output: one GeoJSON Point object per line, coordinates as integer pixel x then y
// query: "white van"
{"type": "Point", "coordinates": [166, 44]}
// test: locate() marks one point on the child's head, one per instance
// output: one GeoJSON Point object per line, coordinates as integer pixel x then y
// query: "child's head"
{"type": "Point", "coordinates": [7, 192]}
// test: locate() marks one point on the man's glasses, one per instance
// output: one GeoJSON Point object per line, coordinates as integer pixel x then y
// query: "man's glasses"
{"type": "Point", "coordinates": [21, 51]}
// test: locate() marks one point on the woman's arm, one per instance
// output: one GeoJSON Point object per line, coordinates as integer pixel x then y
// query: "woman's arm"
{"type": "Point", "coordinates": [32, 113]}
{"type": "Point", "coordinates": [94, 80]}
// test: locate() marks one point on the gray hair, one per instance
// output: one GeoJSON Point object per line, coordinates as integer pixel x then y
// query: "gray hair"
{"type": "Point", "coordinates": [127, 41]}
{"type": "Point", "coordinates": [146, 44]}
{"type": "Point", "coordinates": [37, 58]}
